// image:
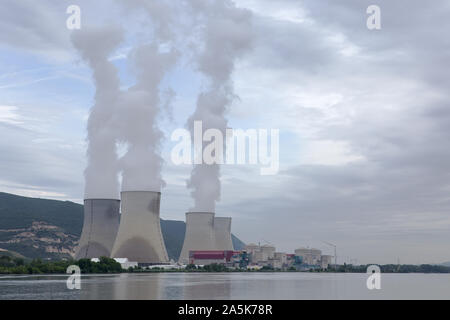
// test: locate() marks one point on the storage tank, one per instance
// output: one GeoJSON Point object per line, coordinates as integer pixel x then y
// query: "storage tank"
{"type": "Point", "coordinates": [139, 237]}
{"type": "Point", "coordinates": [199, 234]}
{"type": "Point", "coordinates": [101, 222]}
{"type": "Point", "coordinates": [222, 232]}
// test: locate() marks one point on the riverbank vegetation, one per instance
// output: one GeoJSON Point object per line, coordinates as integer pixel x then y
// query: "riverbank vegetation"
{"type": "Point", "coordinates": [14, 265]}
{"type": "Point", "coordinates": [9, 265]}
{"type": "Point", "coordinates": [394, 268]}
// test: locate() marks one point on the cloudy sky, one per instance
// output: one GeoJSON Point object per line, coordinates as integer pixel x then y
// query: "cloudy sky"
{"type": "Point", "coordinates": [364, 120]}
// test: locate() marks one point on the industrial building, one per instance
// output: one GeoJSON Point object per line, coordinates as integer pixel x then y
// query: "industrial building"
{"type": "Point", "coordinates": [280, 260]}
{"type": "Point", "coordinates": [303, 259]}
{"type": "Point", "coordinates": [312, 258]}
{"type": "Point", "coordinates": [260, 255]}
{"type": "Point", "coordinates": [226, 257]}
{"type": "Point", "coordinates": [139, 237]}
{"type": "Point", "coordinates": [100, 226]}
{"type": "Point", "coordinates": [255, 257]}
{"type": "Point", "coordinates": [199, 236]}
{"type": "Point", "coordinates": [325, 261]}
{"type": "Point", "coordinates": [309, 256]}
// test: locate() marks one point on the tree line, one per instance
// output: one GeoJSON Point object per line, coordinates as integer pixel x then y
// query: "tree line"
{"type": "Point", "coordinates": [13, 265]}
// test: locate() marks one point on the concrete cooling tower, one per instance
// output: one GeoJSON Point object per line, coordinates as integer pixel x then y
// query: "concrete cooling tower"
{"type": "Point", "coordinates": [222, 231]}
{"type": "Point", "coordinates": [199, 234]}
{"type": "Point", "coordinates": [139, 237]}
{"type": "Point", "coordinates": [101, 222]}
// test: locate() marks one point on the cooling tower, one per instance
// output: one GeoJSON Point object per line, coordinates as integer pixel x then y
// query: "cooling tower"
{"type": "Point", "coordinates": [139, 237]}
{"type": "Point", "coordinates": [101, 222]}
{"type": "Point", "coordinates": [222, 231]}
{"type": "Point", "coordinates": [199, 234]}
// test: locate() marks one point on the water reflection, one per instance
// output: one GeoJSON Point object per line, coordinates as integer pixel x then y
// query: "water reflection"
{"type": "Point", "coordinates": [204, 286]}
{"type": "Point", "coordinates": [121, 287]}
{"type": "Point", "coordinates": [155, 286]}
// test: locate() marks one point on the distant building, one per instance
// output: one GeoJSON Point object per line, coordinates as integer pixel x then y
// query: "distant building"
{"type": "Point", "coordinates": [251, 248]}
{"type": "Point", "coordinates": [325, 261]}
{"type": "Point", "coordinates": [290, 258]}
{"type": "Point", "coordinates": [166, 266]}
{"type": "Point", "coordinates": [281, 256]}
{"type": "Point", "coordinates": [260, 255]}
{"type": "Point", "coordinates": [206, 257]}
{"type": "Point", "coordinates": [311, 258]}
{"type": "Point", "coordinates": [268, 252]}
{"type": "Point", "coordinates": [279, 260]}
{"type": "Point", "coordinates": [125, 263]}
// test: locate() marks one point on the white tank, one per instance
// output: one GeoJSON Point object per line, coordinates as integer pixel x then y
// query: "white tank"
{"type": "Point", "coordinates": [199, 234]}
{"type": "Point", "coordinates": [101, 222]}
{"type": "Point", "coordinates": [139, 237]}
{"type": "Point", "coordinates": [222, 231]}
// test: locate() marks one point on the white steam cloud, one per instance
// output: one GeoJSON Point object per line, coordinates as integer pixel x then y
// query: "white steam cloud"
{"type": "Point", "coordinates": [226, 36]}
{"type": "Point", "coordinates": [130, 117]}
{"type": "Point", "coordinates": [126, 117]}
{"type": "Point", "coordinates": [140, 106]}
{"type": "Point", "coordinates": [101, 173]}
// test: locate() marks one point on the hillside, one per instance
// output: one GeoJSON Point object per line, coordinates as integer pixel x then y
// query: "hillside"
{"type": "Point", "coordinates": [50, 229]}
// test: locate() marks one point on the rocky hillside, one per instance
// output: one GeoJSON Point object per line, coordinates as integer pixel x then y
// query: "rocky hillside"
{"type": "Point", "coordinates": [50, 229]}
{"type": "Point", "coordinates": [41, 239]}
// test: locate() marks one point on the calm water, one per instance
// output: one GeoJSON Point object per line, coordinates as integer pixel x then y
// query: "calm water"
{"type": "Point", "coordinates": [227, 286]}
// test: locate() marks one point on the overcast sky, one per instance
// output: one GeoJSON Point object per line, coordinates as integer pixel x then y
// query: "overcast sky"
{"type": "Point", "coordinates": [364, 120]}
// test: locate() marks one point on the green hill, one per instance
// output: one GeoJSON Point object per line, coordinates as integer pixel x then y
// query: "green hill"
{"type": "Point", "coordinates": [50, 229]}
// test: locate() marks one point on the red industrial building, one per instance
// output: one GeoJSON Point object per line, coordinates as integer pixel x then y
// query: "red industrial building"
{"type": "Point", "coordinates": [213, 256]}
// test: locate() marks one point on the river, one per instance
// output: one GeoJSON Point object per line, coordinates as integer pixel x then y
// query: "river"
{"type": "Point", "coordinates": [226, 286]}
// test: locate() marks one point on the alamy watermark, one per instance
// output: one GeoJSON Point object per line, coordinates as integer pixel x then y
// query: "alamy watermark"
{"type": "Point", "coordinates": [374, 20]}
{"type": "Point", "coordinates": [374, 280]}
{"type": "Point", "coordinates": [73, 22]}
{"type": "Point", "coordinates": [251, 146]}
{"type": "Point", "coordinates": [74, 280]}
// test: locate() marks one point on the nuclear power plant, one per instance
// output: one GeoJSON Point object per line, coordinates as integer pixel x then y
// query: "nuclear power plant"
{"type": "Point", "coordinates": [139, 237]}
{"type": "Point", "coordinates": [222, 232]}
{"type": "Point", "coordinates": [136, 235]}
{"type": "Point", "coordinates": [101, 222]}
{"type": "Point", "coordinates": [131, 118]}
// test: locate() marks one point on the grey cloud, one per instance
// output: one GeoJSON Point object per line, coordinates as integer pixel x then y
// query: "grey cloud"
{"type": "Point", "coordinates": [37, 27]}
{"type": "Point", "coordinates": [286, 45]}
{"type": "Point", "coordinates": [34, 165]}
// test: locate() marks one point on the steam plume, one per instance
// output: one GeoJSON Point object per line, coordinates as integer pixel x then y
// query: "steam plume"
{"type": "Point", "coordinates": [226, 36]}
{"type": "Point", "coordinates": [101, 173]}
{"type": "Point", "coordinates": [140, 106]}
{"type": "Point", "coordinates": [130, 116]}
